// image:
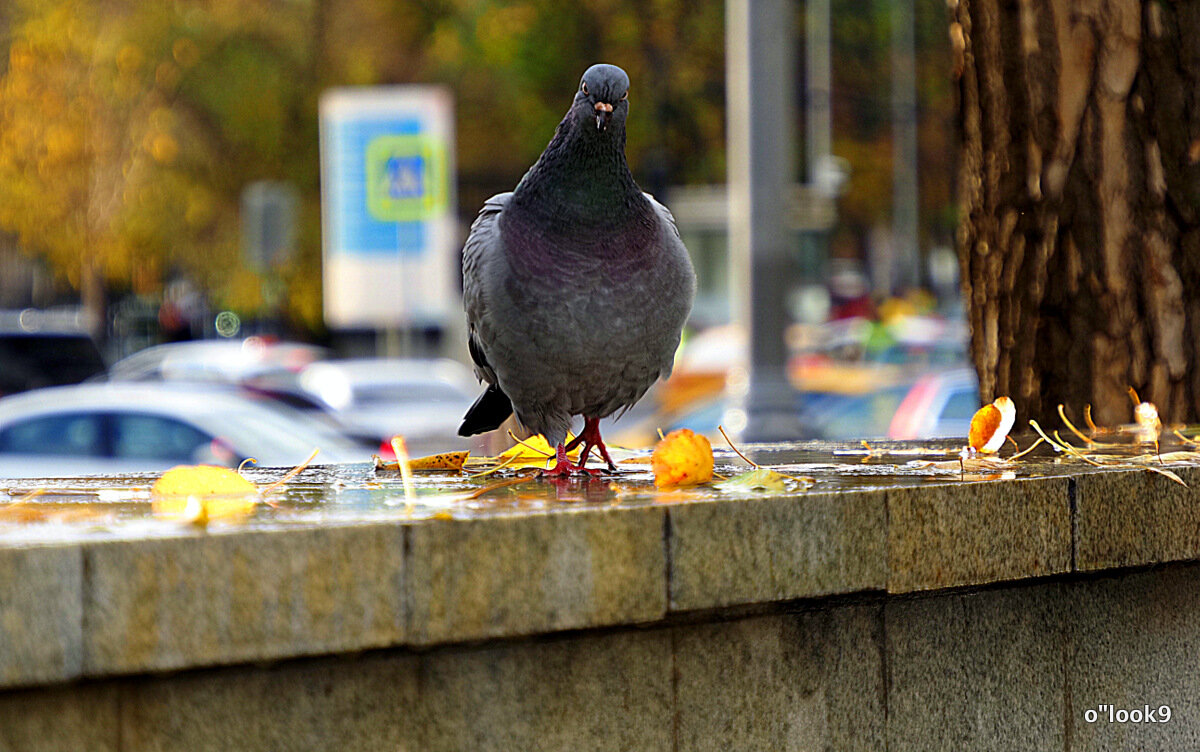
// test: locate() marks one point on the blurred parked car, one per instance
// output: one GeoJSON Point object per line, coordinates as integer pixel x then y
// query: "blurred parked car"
{"type": "Point", "coordinates": [939, 405]}
{"type": "Point", "coordinates": [825, 416]}
{"type": "Point", "coordinates": [120, 428]}
{"type": "Point", "coordinates": [374, 399]}
{"type": "Point", "coordinates": [226, 361]}
{"type": "Point", "coordinates": [45, 348]}
{"type": "Point", "coordinates": [256, 365]}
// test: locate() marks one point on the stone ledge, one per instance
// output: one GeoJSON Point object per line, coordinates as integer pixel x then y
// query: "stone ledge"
{"type": "Point", "coordinates": [1129, 519]}
{"type": "Point", "coordinates": [41, 614]}
{"type": "Point", "coordinates": [977, 533]}
{"type": "Point", "coordinates": [536, 573]}
{"type": "Point", "coordinates": [204, 599]}
{"type": "Point", "coordinates": [760, 550]}
{"type": "Point", "coordinates": [112, 605]}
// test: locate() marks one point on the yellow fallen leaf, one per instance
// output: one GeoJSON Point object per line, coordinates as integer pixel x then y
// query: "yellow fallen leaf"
{"type": "Point", "coordinates": [531, 452]}
{"type": "Point", "coordinates": [444, 461]}
{"type": "Point", "coordinates": [534, 448]}
{"type": "Point", "coordinates": [990, 425]}
{"type": "Point", "coordinates": [200, 493]}
{"type": "Point", "coordinates": [682, 458]}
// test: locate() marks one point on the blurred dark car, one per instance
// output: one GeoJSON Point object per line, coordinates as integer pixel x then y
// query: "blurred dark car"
{"type": "Point", "coordinates": [45, 348]}
{"type": "Point", "coordinates": [89, 429]}
{"type": "Point", "coordinates": [823, 415]}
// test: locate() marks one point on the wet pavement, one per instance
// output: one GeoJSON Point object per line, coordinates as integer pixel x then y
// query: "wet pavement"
{"type": "Point", "coordinates": [106, 506]}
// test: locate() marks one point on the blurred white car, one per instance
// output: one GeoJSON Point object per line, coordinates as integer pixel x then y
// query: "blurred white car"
{"type": "Point", "coordinates": [256, 366]}
{"type": "Point", "coordinates": [103, 428]}
{"type": "Point", "coordinates": [373, 399]}
{"type": "Point", "coordinates": [224, 361]}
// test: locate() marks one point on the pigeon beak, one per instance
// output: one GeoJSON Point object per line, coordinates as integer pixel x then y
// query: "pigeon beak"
{"type": "Point", "coordinates": [603, 115]}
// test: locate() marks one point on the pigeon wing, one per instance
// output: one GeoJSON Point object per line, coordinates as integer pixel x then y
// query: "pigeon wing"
{"type": "Point", "coordinates": [483, 245]}
{"type": "Point", "coordinates": [664, 214]}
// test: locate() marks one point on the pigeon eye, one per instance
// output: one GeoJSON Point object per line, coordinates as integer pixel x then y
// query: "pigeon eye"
{"type": "Point", "coordinates": [624, 96]}
{"type": "Point", "coordinates": [583, 87]}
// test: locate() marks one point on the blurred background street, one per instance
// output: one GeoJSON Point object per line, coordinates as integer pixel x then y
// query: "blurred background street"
{"type": "Point", "coordinates": [174, 289]}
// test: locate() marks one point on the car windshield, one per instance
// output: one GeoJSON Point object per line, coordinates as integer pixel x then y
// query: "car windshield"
{"type": "Point", "coordinates": [415, 391]}
{"type": "Point", "coordinates": [281, 434]}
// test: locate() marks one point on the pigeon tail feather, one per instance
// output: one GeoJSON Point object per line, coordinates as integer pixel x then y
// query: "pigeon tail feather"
{"type": "Point", "coordinates": [488, 413]}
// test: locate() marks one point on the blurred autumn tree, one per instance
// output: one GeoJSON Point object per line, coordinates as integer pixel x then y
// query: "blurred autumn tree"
{"type": "Point", "coordinates": [128, 129]}
{"type": "Point", "coordinates": [861, 39]}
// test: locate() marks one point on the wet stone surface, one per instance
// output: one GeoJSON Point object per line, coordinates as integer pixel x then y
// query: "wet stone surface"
{"type": "Point", "coordinates": [342, 559]}
{"type": "Point", "coordinates": [77, 509]}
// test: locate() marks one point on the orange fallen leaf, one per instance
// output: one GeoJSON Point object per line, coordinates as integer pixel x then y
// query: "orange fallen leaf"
{"type": "Point", "coordinates": [25, 512]}
{"type": "Point", "coordinates": [990, 425]}
{"type": "Point", "coordinates": [682, 458]}
{"type": "Point", "coordinates": [22, 512]}
{"type": "Point", "coordinates": [201, 493]}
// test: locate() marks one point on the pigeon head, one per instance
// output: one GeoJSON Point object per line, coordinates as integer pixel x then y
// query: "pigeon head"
{"type": "Point", "coordinates": [584, 165]}
{"type": "Point", "coordinates": [603, 96]}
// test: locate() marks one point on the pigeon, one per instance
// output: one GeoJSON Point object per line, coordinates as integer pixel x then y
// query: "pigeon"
{"type": "Point", "coordinates": [576, 284]}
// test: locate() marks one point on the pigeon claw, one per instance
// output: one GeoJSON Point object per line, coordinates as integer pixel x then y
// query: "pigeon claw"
{"type": "Point", "coordinates": [564, 468]}
{"type": "Point", "coordinates": [590, 437]}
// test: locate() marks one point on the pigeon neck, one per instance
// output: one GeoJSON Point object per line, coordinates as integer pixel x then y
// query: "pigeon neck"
{"type": "Point", "coordinates": [582, 177]}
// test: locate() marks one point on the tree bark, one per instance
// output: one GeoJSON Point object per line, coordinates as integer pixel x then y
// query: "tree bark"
{"type": "Point", "coordinates": [1080, 187]}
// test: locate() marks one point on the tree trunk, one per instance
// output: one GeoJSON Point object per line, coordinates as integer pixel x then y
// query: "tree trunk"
{"type": "Point", "coordinates": [1080, 186]}
{"type": "Point", "coordinates": [93, 296]}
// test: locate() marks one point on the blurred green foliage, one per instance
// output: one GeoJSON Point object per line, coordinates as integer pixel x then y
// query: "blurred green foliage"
{"type": "Point", "coordinates": [128, 128]}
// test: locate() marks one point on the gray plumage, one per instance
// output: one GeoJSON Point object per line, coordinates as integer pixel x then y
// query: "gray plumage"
{"type": "Point", "coordinates": [576, 284]}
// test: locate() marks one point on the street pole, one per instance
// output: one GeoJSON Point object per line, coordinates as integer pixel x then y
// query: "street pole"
{"type": "Point", "coordinates": [759, 75]}
{"type": "Point", "coordinates": [818, 118]}
{"type": "Point", "coordinates": [906, 262]}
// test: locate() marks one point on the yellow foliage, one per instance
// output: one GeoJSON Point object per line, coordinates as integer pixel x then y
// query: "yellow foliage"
{"type": "Point", "coordinates": [201, 493]}
{"type": "Point", "coordinates": [682, 458]}
{"type": "Point", "coordinates": [533, 448]}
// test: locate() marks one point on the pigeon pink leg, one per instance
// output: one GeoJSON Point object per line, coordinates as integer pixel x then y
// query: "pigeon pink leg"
{"type": "Point", "coordinates": [564, 468]}
{"type": "Point", "coordinates": [590, 436]}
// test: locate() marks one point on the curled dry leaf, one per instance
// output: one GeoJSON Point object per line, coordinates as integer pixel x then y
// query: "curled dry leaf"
{"type": "Point", "coordinates": [762, 479]}
{"type": "Point", "coordinates": [682, 458]}
{"type": "Point", "coordinates": [201, 493]}
{"type": "Point", "coordinates": [990, 426]}
{"type": "Point", "coordinates": [1145, 415]}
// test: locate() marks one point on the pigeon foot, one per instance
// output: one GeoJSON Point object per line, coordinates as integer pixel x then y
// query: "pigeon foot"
{"type": "Point", "coordinates": [564, 468]}
{"type": "Point", "coordinates": [590, 437]}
